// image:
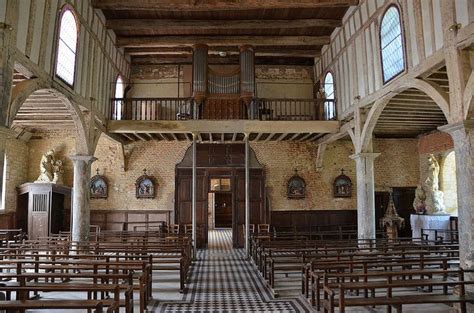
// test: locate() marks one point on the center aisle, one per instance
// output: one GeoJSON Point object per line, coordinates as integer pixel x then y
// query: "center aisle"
{"type": "Point", "coordinates": [223, 281]}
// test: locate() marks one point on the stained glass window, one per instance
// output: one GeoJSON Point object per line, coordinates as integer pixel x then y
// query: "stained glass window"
{"type": "Point", "coordinates": [329, 103]}
{"type": "Point", "coordinates": [66, 57]}
{"type": "Point", "coordinates": [391, 44]}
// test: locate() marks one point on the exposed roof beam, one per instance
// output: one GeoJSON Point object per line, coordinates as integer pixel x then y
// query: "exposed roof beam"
{"type": "Point", "coordinates": [186, 52]}
{"type": "Point", "coordinates": [169, 41]}
{"type": "Point", "coordinates": [176, 26]}
{"type": "Point", "coordinates": [216, 5]}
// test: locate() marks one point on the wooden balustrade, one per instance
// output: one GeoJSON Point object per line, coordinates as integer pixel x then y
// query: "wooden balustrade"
{"type": "Point", "coordinates": [151, 109]}
{"type": "Point", "coordinates": [288, 109]}
{"type": "Point", "coordinates": [144, 109]}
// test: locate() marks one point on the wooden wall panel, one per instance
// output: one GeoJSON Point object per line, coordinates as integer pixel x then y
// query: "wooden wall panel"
{"type": "Point", "coordinates": [306, 219]}
{"type": "Point", "coordinates": [127, 219]}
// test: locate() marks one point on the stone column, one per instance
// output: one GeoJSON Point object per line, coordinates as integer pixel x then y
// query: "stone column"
{"type": "Point", "coordinates": [247, 196]}
{"type": "Point", "coordinates": [463, 138]}
{"type": "Point", "coordinates": [80, 197]}
{"type": "Point", "coordinates": [365, 194]}
{"type": "Point", "coordinates": [194, 189]}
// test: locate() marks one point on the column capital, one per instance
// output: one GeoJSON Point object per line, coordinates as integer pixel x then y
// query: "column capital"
{"type": "Point", "coordinates": [364, 155]}
{"type": "Point", "coordinates": [5, 131]}
{"type": "Point", "coordinates": [84, 158]}
{"type": "Point", "coordinates": [200, 46]}
{"type": "Point", "coordinates": [246, 48]}
{"type": "Point", "coordinates": [452, 127]}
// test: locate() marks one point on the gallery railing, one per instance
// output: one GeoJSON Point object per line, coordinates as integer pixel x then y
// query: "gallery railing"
{"type": "Point", "coordinates": [154, 109]}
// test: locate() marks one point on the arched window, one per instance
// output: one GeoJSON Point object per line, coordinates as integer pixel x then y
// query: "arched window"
{"type": "Point", "coordinates": [391, 44]}
{"type": "Point", "coordinates": [119, 93]}
{"type": "Point", "coordinates": [67, 47]}
{"type": "Point", "coordinates": [329, 103]}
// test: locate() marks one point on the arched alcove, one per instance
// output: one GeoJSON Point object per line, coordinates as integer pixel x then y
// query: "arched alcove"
{"type": "Point", "coordinates": [448, 182]}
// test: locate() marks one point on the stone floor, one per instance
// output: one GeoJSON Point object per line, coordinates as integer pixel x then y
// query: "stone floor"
{"type": "Point", "coordinates": [223, 281]}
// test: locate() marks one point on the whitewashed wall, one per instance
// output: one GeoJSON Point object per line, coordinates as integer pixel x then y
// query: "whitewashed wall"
{"type": "Point", "coordinates": [354, 52]}
{"type": "Point", "coordinates": [98, 60]}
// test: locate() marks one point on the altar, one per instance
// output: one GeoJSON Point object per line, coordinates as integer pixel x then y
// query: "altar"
{"type": "Point", "coordinates": [419, 222]}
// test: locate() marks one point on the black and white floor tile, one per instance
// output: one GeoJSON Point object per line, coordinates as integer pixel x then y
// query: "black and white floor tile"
{"type": "Point", "coordinates": [223, 281]}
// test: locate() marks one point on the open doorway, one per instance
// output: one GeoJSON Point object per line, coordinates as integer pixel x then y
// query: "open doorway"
{"type": "Point", "coordinates": [220, 203]}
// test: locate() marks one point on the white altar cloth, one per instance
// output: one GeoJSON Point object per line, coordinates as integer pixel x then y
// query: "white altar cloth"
{"type": "Point", "coordinates": [419, 222]}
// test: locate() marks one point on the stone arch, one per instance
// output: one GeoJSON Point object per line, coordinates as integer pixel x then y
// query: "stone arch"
{"type": "Point", "coordinates": [25, 89]}
{"type": "Point", "coordinates": [440, 97]}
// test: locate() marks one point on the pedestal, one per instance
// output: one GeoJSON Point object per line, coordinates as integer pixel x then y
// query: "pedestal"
{"type": "Point", "coordinates": [419, 222]}
{"type": "Point", "coordinates": [43, 209]}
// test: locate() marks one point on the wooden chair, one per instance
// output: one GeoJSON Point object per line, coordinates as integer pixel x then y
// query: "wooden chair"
{"type": "Point", "coordinates": [263, 229]}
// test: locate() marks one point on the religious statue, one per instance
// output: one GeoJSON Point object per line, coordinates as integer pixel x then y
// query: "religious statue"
{"type": "Point", "coordinates": [428, 197]}
{"type": "Point", "coordinates": [419, 202]}
{"type": "Point", "coordinates": [51, 170]}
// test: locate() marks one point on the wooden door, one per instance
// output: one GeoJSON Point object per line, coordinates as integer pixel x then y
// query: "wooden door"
{"type": "Point", "coordinates": [257, 203]}
{"type": "Point", "coordinates": [38, 217]}
{"type": "Point", "coordinates": [184, 200]}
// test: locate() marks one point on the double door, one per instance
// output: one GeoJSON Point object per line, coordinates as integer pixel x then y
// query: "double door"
{"type": "Point", "coordinates": [183, 203]}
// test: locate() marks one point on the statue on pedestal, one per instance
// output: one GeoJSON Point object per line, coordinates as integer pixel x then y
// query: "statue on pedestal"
{"type": "Point", "coordinates": [51, 170]}
{"type": "Point", "coordinates": [428, 197]}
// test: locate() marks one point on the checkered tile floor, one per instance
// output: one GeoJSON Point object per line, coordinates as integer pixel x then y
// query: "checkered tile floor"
{"type": "Point", "coordinates": [223, 281]}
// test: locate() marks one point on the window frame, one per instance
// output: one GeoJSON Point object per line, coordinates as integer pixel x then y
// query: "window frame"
{"type": "Point", "coordinates": [334, 101]}
{"type": "Point", "coordinates": [402, 35]}
{"type": "Point", "coordinates": [67, 7]}
{"type": "Point", "coordinates": [119, 76]}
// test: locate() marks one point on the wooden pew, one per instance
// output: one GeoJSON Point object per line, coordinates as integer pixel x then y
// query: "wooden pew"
{"type": "Point", "coordinates": [388, 283]}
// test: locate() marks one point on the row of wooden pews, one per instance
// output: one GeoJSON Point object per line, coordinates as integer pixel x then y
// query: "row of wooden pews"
{"type": "Point", "coordinates": [340, 273]}
{"type": "Point", "coordinates": [114, 270]}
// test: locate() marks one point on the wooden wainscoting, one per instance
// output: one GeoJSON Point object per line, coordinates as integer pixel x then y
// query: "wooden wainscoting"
{"type": "Point", "coordinates": [306, 219]}
{"type": "Point", "coordinates": [7, 220]}
{"type": "Point", "coordinates": [128, 219]}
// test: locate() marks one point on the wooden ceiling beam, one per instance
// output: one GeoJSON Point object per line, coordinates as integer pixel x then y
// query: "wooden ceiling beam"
{"type": "Point", "coordinates": [170, 41]}
{"type": "Point", "coordinates": [175, 25]}
{"type": "Point", "coordinates": [186, 52]}
{"type": "Point", "coordinates": [217, 5]}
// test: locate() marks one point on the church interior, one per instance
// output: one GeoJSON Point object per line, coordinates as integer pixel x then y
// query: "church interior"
{"type": "Point", "coordinates": [237, 156]}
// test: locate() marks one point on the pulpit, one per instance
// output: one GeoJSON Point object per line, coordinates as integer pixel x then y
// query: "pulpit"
{"type": "Point", "coordinates": [43, 208]}
{"type": "Point", "coordinates": [419, 222]}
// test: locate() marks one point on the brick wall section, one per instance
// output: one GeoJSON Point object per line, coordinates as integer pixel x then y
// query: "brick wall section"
{"type": "Point", "coordinates": [398, 163]}
{"type": "Point", "coordinates": [397, 166]}
{"type": "Point", "coordinates": [158, 157]}
{"type": "Point", "coordinates": [16, 170]}
{"type": "Point", "coordinates": [435, 142]}
{"type": "Point", "coordinates": [64, 144]}
{"type": "Point", "coordinates": [280, 160]}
